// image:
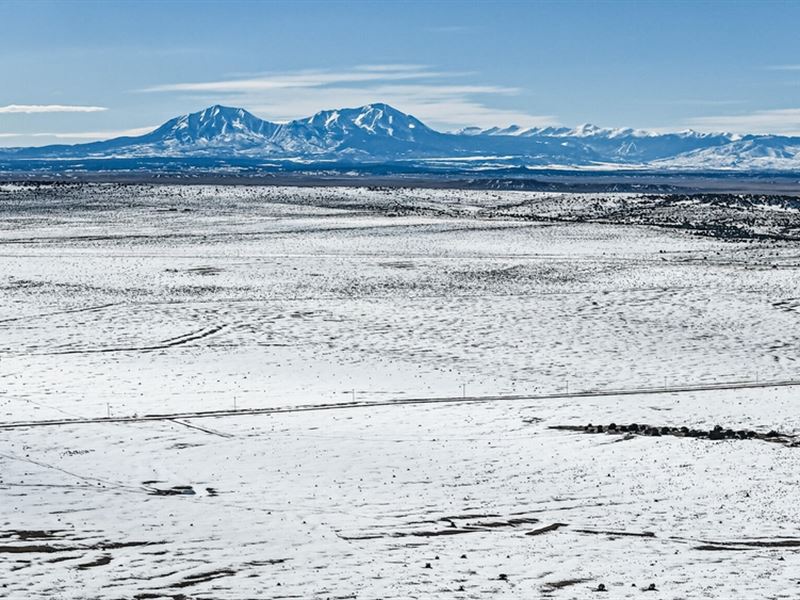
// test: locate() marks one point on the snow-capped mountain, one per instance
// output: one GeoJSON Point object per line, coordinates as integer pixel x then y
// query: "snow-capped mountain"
{"type": "Point", "coordinates": [752, 153]}
{"type": "Point", "coordinates": [381, 133]}
{"type": "Point", "coordinates": [623, 145]}
{"type": "Point", "coordinates": [372, 131]}
{"type": "Point", "coordinates": [375, 131]}
{"type": "Point", "coordinates": [218, 126]}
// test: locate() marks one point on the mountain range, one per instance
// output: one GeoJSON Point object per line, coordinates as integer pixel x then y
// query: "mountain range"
{"type": "Point", "coordinates": [379, 133]}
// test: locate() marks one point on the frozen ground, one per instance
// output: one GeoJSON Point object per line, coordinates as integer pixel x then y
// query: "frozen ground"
{"type": "Point", "coordinates": [138, 300]}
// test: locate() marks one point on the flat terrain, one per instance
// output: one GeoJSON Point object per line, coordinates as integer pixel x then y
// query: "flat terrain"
{"type": "Point", "coordinates": [138, 300]}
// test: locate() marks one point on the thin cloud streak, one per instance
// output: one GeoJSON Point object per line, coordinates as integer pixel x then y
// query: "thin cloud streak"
{"type": "Point", "coordinates": [392, 67]}
{"type": "Point", "coordinates": [779, 122]}
{"type": "Point", "coordinates": [707, 102]}
{"type": "Point", "coordinates": [303, 79]}
{"type": "Point", "coordinates": [48, 108]}
{"type": "Point", "coordinates": [82, 135]}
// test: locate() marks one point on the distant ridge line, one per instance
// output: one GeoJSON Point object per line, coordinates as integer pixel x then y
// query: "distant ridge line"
{"type": "Point", "coordinates": [381, 134]}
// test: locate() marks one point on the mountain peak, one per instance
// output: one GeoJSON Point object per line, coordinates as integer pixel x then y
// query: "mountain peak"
{"type": "Point", "coordinates": [374, 108]}
{"type": "Point", "coordinates": [586, 129]}
{"type": "Point", "coordinates": [215, 125]}
{"type": "Point", "coordinates": [377, 119]}
{"type": "Point", "coordinates": [218, 110]}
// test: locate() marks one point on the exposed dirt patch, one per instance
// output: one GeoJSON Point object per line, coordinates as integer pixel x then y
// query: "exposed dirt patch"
{"type": "Point", "coordinates": [552, 586]}
{"type": "Point", "coordinates": [546, 529]}
{"type": "Point", "coordinates": [204, 577]}
{"type": "Point", "coordinates": [176, 490]}
{"type": "Point", "coordinates": [103, 560]}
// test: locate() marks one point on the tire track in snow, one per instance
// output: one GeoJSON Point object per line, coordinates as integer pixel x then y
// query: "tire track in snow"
{"type": "Point", "coordinates": [170, 343]}
{"type": "Point", "coordinates": [59, 312]}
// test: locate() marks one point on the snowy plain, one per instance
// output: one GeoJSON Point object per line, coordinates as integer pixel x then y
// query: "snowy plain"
{"type": "Point", "coordinates": [135, 300]}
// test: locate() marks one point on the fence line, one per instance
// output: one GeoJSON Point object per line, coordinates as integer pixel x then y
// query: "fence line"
{"type": "Point", "coordinates": [727, 385]}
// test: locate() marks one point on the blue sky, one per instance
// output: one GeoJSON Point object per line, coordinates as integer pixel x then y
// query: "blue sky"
{"type": "Point", "coordinates": [73, 71]}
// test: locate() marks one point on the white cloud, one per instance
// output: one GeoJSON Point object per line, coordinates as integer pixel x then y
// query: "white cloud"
{"type": "Point", "coordinates": [707, 102]}
{"type": "Point", "coordinates": [780, 121]}
{"type": "Point", "coordinates": [440, 106]}
{"type": "Point", "coordinates": [49, 108]}
{"type": "Point", "coordinates": [75, 137]}
{"type": "Point", "coordinates": [102, 135]}
{"type": "Point", "coordinates": [392, 67]}
{"type": "Point", "coordinates": [434, 97]}
{"type": "Point", "coordinates": [784, 68]}
{"type": "Point", "coordinates": [303, 79]}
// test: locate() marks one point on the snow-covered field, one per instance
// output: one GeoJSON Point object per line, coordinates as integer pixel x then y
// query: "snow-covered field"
{"type": "Point", "coordinates": [137, 300]}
